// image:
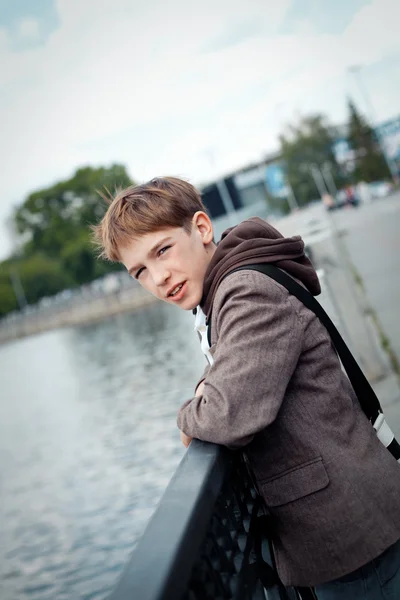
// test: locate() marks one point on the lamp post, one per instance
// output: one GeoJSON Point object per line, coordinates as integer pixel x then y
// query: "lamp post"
{"type": "Point", "coordinates": [319, 180]}
{"type": "Point", "coordinates": [330, 182]}
{"type": "Point", "coordinates": [18, 288]}
{"type": "Point", "coordinates": [355, 70]}
{"type": "Point", "coordinates": [291, 198]}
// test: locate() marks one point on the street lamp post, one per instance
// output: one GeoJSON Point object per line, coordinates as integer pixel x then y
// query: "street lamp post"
{"type": "Point", "coordinates": [18, 288]}
{"type": "Point", "coordinates": [319, 180]}
{"type": "Point", "coordinates": [292, 200]}
{"type": "Point", "coordinates": [330, 182]}
{"type": "Point", "coordinates": [355, 70]}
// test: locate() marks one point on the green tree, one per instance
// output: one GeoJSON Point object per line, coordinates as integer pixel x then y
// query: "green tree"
{"type": "Point", "coordinates": [78, 258]}
{"type": "Point", "coordinates": [54, 226]}
{"type": "Point", "coordinates": [51, 218]}
{"type": "Point", "coordinates": [8, 301]}
{"type": "Point", "coordinates": [370, 164]}
{"type": "Point", "coordinates": [302, 145]}
{"type": "Point", "coordinates": [42, 276]}
{"type": "Point", "coordinates": [39, 276]}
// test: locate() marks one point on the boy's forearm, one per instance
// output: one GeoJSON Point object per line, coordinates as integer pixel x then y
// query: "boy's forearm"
{"type": "Point", "coordinates": [200, 388]}
{"type": "Point", "coordinates": [245, 387]}
{"type": "Point", "coordinates": [201, 380]}
{"type": "Point", "coordinates": [196, 423]}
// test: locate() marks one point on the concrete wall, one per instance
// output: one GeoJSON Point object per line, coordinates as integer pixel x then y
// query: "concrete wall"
{"type": "Point", "coordinates": [77, 312]}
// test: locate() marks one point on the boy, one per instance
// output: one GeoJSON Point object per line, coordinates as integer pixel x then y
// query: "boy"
{"type": "Point", "coordinates": [274, 386]}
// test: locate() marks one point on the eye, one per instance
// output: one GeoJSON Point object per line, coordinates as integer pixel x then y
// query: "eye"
{"type": "Point", "coordinates": [137, 274]}
{"type": "Point", "coordinates": [163, 250]}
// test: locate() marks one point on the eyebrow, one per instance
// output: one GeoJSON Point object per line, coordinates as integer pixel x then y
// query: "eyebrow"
{"type": "Point", "coordinates": [151, 253]}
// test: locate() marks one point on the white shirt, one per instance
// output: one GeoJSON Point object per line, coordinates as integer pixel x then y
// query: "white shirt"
{"type": "Point", "coordinates": [201, 327]}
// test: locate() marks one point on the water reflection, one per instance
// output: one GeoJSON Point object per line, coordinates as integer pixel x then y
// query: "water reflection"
{"type": "Point", "coordinates": [88, 443]}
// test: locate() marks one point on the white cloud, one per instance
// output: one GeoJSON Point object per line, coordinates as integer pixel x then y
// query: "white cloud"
{"type": "Point", "coordinates": [219, 66]}
{"type": "Point", "coordinates": [28, 29]}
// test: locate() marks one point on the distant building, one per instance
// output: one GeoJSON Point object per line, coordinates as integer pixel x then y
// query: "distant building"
{"type": "Point", "coordinates": [260, 186]}
{"type": "Point", "coordinates": [263, 186]}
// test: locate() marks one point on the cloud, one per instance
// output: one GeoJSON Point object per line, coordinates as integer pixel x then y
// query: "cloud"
{"type": "Point", "coordinates": [28, 29]}
{"type": "Point", "coordinates": [154, 84]}
{"type": "Point", "coordinates": [105, 71]}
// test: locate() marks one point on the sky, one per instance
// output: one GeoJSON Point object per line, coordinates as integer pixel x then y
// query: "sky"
{"type": "Point", "coordinates": [186, 88]}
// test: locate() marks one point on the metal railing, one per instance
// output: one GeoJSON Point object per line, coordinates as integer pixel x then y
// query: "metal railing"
{"type": "Point", "coordinates": [202, 539]}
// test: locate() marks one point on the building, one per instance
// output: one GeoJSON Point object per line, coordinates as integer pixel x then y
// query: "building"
{"type": "Point", "coordinates": [263, 189]}
{"type": "Point", "coordinates": [259, 188]}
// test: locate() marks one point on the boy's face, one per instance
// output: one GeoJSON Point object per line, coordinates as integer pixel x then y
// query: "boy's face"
{"type": "Point", "coordinates": [171, 263]}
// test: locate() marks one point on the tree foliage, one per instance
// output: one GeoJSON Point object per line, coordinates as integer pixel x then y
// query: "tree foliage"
{"type": "Point", "coordinates": [303, 145]}
{"type": "Point", "coordinates": [370, 164]}
{"type": "Point", "coordinates": [42, 276]}
{"type": "Point", "coordinates": [50, 218]}
{"type": "Point", "coordinates": [38, 275]}
{"type": "Point", "coordinates": [53, 224]}
{"type": "Point", "coordinates": [8, 301]}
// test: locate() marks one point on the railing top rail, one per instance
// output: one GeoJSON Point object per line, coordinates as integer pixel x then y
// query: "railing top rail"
{"type": "Point", "coordinates": [162, 561]}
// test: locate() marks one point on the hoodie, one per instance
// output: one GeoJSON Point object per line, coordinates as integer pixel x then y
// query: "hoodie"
{"type": "Point", "coordinates": [255, 241]}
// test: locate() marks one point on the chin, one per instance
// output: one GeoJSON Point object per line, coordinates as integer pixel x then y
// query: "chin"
{"type": "Point", "coordinates": [191, 304]}
{"type": "Point", "coordinates": [190, 307]}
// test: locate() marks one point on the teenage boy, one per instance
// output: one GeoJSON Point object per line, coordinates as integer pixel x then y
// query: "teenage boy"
{"type": "Point", "coordinates": [274, 386]}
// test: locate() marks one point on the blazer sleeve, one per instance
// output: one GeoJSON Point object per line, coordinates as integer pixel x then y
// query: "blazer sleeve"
{"type": "Point", "coordinates": [202, 378]}
{"type": "Point", "coordinates": [259, 341]}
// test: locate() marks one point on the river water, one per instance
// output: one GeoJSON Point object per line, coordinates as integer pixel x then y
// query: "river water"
{"type": "Point", "coordinates": [88, 443]}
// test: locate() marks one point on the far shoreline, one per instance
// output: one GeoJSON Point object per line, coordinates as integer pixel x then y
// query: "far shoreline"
{"type": "Point", "coordinates": [85, 313]}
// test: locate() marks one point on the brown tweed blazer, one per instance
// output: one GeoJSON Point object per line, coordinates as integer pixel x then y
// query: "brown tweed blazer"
{"type": "Point", "coordinates": [277, 389]}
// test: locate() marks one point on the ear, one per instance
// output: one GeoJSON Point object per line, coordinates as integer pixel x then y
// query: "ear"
{"type": "Point", "coordinates": [202, 223]}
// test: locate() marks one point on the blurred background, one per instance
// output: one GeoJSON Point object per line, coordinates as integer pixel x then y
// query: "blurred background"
{"type": "Point", "coordinates": [289, 111]}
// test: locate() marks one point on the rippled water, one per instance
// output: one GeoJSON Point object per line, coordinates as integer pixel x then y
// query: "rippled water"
{"type": "Point", "coordinates": [88, 443]}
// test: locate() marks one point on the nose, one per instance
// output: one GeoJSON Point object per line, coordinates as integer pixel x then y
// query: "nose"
{"type": "Point", "coordinates": [161, 276]}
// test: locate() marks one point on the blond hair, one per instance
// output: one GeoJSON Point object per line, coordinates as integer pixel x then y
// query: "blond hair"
{"type": "Point", "coordinates": [139, 209]}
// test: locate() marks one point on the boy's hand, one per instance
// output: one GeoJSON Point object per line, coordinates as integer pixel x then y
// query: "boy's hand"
{"type": "Point", "coordinates": [185, 439]}
{"type": "Point", "coordinates": [200, 389]}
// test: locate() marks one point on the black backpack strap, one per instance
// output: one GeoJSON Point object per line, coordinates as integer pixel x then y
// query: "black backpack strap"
{"type": "Point", "coordinates": [365, 394]}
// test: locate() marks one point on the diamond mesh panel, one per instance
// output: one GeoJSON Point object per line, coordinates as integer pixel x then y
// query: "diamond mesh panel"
{"type": "Point", "coordinates": [223, 570]}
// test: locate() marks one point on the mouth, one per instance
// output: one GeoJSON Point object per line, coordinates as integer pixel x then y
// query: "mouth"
{"type": "Point", "coordinates": [176, 293]}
